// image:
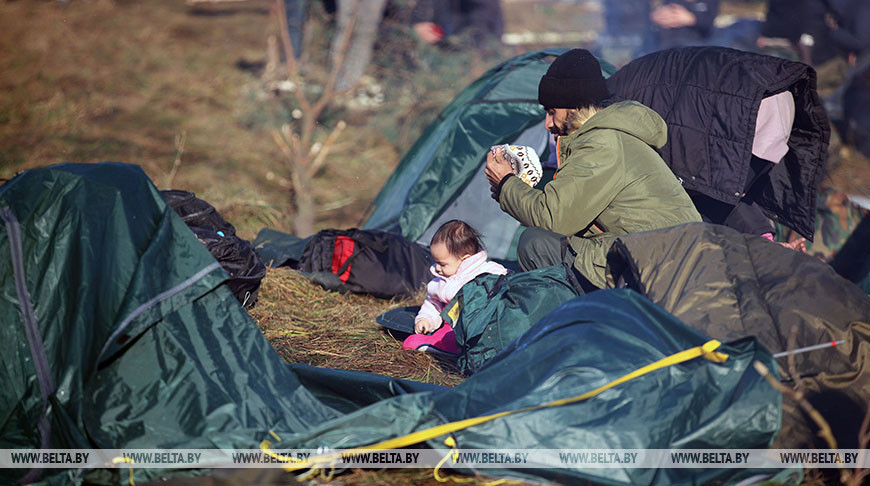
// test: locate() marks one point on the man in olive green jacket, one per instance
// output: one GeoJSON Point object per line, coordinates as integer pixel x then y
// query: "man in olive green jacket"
{"type": "Point", "coordinates": [610, 179]}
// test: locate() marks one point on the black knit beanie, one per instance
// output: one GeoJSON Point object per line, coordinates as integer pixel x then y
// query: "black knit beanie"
{"type": "Point", "coordinates": [573, 80]}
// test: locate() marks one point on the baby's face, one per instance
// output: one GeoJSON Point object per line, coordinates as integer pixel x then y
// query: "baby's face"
{"type": "Point", "coordinates": [445, 263]}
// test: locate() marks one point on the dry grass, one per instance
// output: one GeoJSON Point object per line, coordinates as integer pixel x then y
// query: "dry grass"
{"type": "Point", "coordinates": [117, 80]}
{"type": "Point", "coordinates": [103, 80]}
{"type": "Point", "coordinates": [308, 324]}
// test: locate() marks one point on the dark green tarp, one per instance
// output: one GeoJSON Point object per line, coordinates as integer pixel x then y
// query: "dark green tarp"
{"type": "Point", "coordinates": [727, 284]}
{"type": "Point", "coordinates": [278, 249]}
{"type": "Point", "coordinates": [116, 332]}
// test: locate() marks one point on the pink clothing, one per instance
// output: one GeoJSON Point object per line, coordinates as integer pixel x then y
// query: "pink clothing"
{"type": "Point", "coordinates": [441, 290]}
{"type": "Point", "coordinates": [441, 341]}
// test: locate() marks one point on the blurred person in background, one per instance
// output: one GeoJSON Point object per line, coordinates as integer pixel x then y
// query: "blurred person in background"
{"type": "Point", "coordinates": [634, 28]}
{"type": "Point", "coordinates": [679, 23]}
{"type": "Point", "coordinates": [434, 21]}
{"type": "Point", "coordinates": [366, 16]}
{"type": "Point", "coordinates": [848, 28]}
{"type": "Point", "coordinates": [822, 32]}
{"type": "Point", "coordinates": [625, 25]}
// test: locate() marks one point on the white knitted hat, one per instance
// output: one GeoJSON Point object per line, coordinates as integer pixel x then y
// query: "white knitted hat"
{"type": "Point", "coordinates": [524, 162]}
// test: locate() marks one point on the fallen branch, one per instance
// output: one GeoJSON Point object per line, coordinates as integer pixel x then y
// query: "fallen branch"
{"type": "Point", "coordinates": [798, 396]}
{"type": "Point", "coordinates": [824, 429]}
{"type": "Point", "coordinates": [858, 475]}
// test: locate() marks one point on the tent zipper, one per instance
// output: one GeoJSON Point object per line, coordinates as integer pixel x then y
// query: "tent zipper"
{"type": "Point", "coordinates": [31, 329]}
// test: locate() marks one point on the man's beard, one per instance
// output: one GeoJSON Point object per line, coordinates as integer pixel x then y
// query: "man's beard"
{"type": "Point", "coordinates": [560, 130]}
{"type": "Point", "coordinates": [568, 125]}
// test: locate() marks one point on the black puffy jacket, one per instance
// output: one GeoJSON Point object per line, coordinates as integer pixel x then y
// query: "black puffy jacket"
{"type": "Point", "coordinates": [709, 97]}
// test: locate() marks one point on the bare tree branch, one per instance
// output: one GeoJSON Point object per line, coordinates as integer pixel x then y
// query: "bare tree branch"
{"type": "Point", "coordinates": [320, 159]}
{"type": "Point", "coordinates": [180, 139]}
{"type": "Point", "coordinates": [304, 156]}
{"type": "Point", "coordinates": [288, 152]}
{"type": "Point", "coordinates": [291, 137]}
{"type": "Point", "coordinates": [858, 475]}
{"type": "Point", "coordinates": [824, 429]}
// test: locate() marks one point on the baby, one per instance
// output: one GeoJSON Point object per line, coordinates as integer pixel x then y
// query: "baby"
{"type": "Point", "coordinates": [524, 162]}
{"type": "Point", "coordinates": [459, 257]}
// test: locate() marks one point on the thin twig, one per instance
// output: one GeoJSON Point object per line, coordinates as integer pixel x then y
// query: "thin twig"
{"type": "Point", "coordinates": [179, 150]}
{"type": "Point", "coordinates": [858, 475]}
{"type": "Point", "coordinates": [792, 367]}
{"type": "Point", "coordinates": [824, 428]}
{"type": "Point", "coordinates": [292, 137]}
{"type": "Point", "coordinates": [320, 159]}
{"type": "Point", "coordinates": [288, 153]}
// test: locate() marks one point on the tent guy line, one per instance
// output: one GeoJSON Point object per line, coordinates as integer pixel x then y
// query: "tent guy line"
{"type": "Point", "coordinates": [814, 347]}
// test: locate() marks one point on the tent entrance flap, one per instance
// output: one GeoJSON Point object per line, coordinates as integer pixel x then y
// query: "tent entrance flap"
{"type": "Point", "coordinates": [500, 231]}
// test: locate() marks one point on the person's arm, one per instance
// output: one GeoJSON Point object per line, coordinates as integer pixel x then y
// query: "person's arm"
{"type": "Point", "coordinates": [583, 187]}
{"type": "Point", "coordinates": [853, 42]}
{"type": "Point", "coordinates": [429, 317]}
{"type": "Point", "coordinates": [676, 14]}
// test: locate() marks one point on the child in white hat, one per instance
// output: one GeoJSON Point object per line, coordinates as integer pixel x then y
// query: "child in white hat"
{"type": "Point", "coordinates": [524, 162]}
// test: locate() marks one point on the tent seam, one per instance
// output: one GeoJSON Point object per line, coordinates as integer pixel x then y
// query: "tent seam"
{"type": "Point", "coordinates": [156, 300]}
{"type": "Point", "coordinates": [31, 330]}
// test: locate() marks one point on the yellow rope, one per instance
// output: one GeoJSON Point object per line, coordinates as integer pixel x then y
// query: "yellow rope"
{"type": "Point", "coordinates": [125, 459]}
{"type": "Point", "coordinates": [707, 351]}
{"type": "Point", "coordinates": [450, 442]}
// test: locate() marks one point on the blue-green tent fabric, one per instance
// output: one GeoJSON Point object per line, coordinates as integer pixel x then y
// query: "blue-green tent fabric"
{"type": "Point", "coordinates": [116, 332]}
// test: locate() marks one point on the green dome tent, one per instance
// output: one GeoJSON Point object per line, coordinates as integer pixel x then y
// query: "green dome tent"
{"type": "Point", "coordinates": [441, 177]}
{"type": "Point", "coordinates": [116, 330]}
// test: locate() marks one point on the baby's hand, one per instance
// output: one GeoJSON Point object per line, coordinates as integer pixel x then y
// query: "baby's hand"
{"type": "Point", "coordinates": [423, 326]}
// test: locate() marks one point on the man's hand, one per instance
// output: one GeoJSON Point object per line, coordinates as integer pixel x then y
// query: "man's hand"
{"type": "Point", "coordinates": [428, 32]}
{"type": "Point", "coordinates": [497, 167]}
{"type": "Point", "coordinates": [799, 244]}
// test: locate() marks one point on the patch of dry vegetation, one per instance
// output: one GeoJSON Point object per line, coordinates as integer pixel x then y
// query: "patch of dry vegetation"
{"type": "Point", "coordinates": [310, 325]}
